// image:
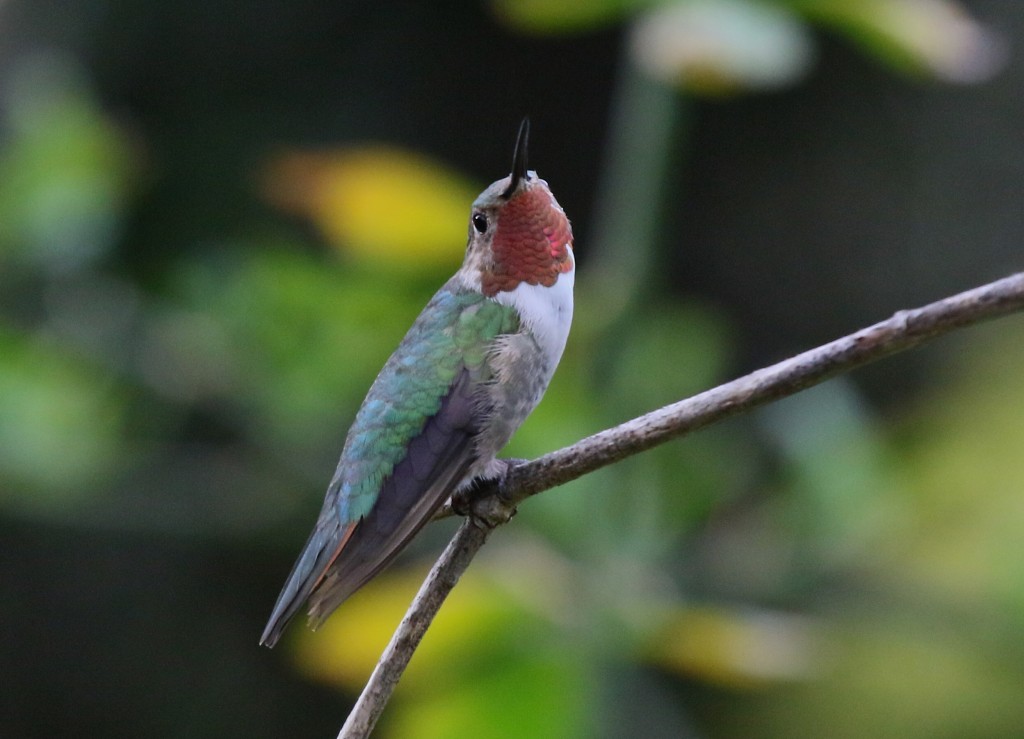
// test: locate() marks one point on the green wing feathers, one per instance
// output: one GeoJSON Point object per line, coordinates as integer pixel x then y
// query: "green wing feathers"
{"type": "Point", "coordinates": [411, 441]}
{"type": "Point", "coordinates": [454, 332]}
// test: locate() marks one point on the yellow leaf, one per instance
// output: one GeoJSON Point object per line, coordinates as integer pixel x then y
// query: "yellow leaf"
{"type": "Point", "coordinates": [377, 204]}
{"type": "Point", "coordinates": [347, 647]}
{"type": "Point", "coordinates": [739, 649]}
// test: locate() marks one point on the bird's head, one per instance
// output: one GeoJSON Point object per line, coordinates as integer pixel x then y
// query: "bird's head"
{"type": "Point", "coordinates": [517, 230]}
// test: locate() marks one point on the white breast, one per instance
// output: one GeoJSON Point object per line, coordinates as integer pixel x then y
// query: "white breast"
{"type": "Point", "coordinates": [546, 312]}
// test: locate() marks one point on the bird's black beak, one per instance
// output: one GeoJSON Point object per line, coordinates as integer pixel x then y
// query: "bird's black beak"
{"type": "Point", "coordinates": [519, 158]}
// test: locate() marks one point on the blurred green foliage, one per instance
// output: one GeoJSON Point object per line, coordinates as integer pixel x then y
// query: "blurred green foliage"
{"type": "Point", "coordinates": [822, 568]}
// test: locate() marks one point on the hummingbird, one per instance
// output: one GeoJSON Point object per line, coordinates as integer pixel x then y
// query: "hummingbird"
{"type": "Point", "coordinates": [472, 367]}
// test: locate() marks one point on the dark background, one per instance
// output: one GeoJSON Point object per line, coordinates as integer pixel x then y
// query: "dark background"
{"type": "Point", "coordinates": [180, 356]}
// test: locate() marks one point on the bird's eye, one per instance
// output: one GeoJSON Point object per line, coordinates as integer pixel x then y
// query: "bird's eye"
{"type": "Point", "coordinates": [480, 222]}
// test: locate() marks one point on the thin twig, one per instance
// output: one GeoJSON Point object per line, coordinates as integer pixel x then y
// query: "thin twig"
{"type": "Point", "coordinates": [440, 581]}
{"type": "Point", "coordinates": [902, 331]}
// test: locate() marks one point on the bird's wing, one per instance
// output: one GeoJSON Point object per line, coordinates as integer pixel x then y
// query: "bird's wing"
{"type": "Point", "coordinates": [436, 460]}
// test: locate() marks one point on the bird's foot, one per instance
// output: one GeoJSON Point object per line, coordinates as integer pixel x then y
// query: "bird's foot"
{"type": "Point", "coordinates": [484, 499]}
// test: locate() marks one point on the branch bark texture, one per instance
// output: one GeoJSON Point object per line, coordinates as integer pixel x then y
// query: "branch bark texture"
{"type": "Point", "coordinates": [904, 330]}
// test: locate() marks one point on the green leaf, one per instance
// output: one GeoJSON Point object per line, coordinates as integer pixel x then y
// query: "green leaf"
{"type": "Point", "coordinates": [932, 37]}
{"type": "Point", "coordinates": [60, 426]}
{"type": "Point", "coordinates": [64, 169]}
{"type": "Point", "coordinates": [562, 16]}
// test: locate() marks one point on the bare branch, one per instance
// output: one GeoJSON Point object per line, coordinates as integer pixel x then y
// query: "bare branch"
{"type": "Point", "coordinates": [440, 581]}
{"type": "Point", "coordinates": [902, 331]}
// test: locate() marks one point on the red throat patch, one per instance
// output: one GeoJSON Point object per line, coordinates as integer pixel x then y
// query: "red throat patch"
{"type": "Point", "coordinates": [531, 243]}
